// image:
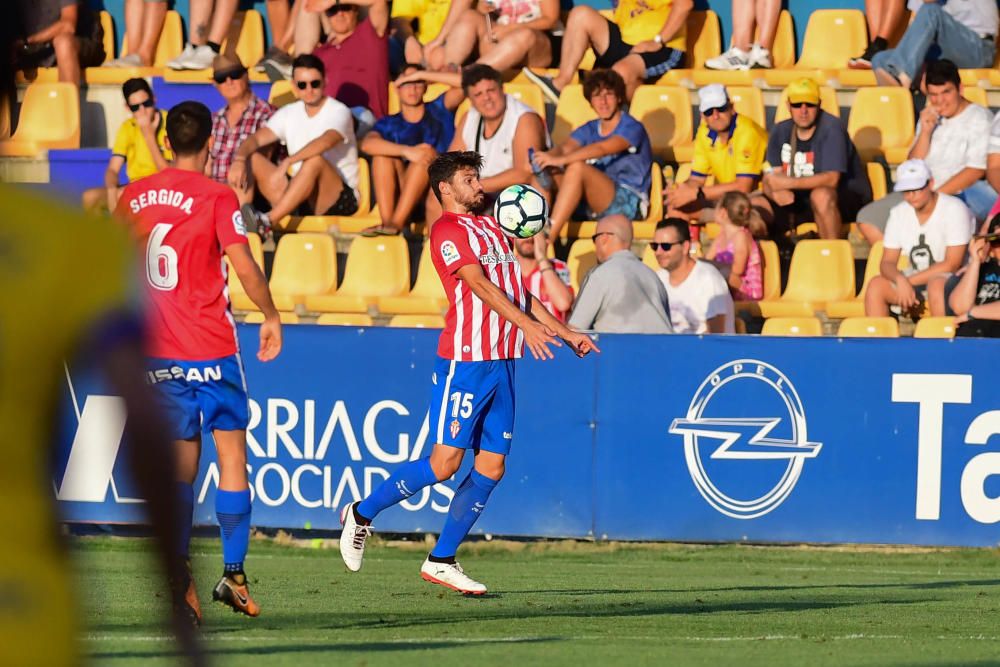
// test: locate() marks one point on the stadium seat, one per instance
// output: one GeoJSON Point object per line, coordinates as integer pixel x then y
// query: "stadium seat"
{"type": "Point", "coordinates": [364, 187]}
{"type": "Point", "coordinates": [580, 261]}
{"type": "Point", "coordinates": [345, 319]}
{"type": "Point", "coordinates": [571, 112]}
{"type": "Point", "coordinates": [170, 46]}
{"type": "Point", "coordinates": [655, 200]}
{"type": "Point", "coordinates": [665, 111]}
{"type": "Point", "coordinates": [772, 277]}
{"type": "Point", "coordinates": [749, 101]}
{"type": "Point", "coordinates": [378, 266]}
{"type": "Point", "coordinates": [649, 258]}
{"type": "Point", "coordinates": [882, 123]}
{"type": "Point", "coordinates": [703, 41]}
{"type": "Point", "coordinates": [417, 321]}
{"type": "Point", "coordinates": [976, 95]}
{"type": "Point", "coordinates": [869, 327]}
{"type": "Point", "coordinates": [108, 26]}
{"type": "Point", "coordinates": [827, 101]}
{"type": "Point", "coordinates": [49, 118]}
{"type": "Point", "coordinates": [433, 91]}
{"type": "Point", "coordinates": [427, 296]}
{"type": "Point", "coordinates": [833, 36]}
{"type": "Point", "coordinates": [821, 271]}
{"type": "Point", "coordinates": [792, 326]}
{"type": "Point", "coordinates": [5, 121]}
{"type": "Point", "coordinates": [237, 294]}
{"type": "Point", "coordinates": [257, 317]}
{"type": "Point", "coordinates": [281, 93]}
{"type": "Point", "coordinates": [304, 265]}
{"type": "Point", "coordinates": [877, 179]}
{"type": "Point", "coordinates": [783, 49]}
{"type": "Point", "coordinates": [247, 29]}
{"type": "Point", "coordinates": [935, 327]}
{"type": "Point", "coordinates": [855, 306]}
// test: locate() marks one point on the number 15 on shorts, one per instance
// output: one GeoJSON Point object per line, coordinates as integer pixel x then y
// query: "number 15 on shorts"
{"type": "Point", "coordinates": [461, 406]}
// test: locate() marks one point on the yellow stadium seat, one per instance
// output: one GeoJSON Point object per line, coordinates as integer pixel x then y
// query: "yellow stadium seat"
{"type": "Point", "coordinates": [281, 93]}
{"type": "Point", "coordinates": [417, 321]}
{"type": "Point", "coordinates": [316, 224]}
{"type": "Point", "coordinates": [772, 276]}
{"type": "Point", "coordinates": [792, 326]}
{"type": "Point", "coordinates": [821, 271]}
{"type": "Point", "coordinates": [304, 264]}
{"type": "Point", "coordinates": [976, 95]}
{"type": "Point", "coordinates": [655, 213]}
{"type": "Point", "coordinates": [5, 122]}
{"type": "Point", "coordinates": [237, 295]}
{"type": "Point", "coordinates": [666, 113]}
{"type": "Point", "coordinates": [827, 102]}
{"type": "Point", "coordinates": [649, 258]}
{"type": "Point", "coordinates": [703, 41]}
{"type": "Point", "coordinates": [581, 260]}
{"type": "Point", "coordinates": [935, 327]}
{"type": "Point", "coordinates": [108, 26]}
{"type": "Point", "coordinates": [869, 327]}
{"type": "Point", "coordinates": [882, 123]}
{"type": "Point", "coordinates": [833, 36]}
{"type": "Point", "coordinates": [257, 317]}
{"type": "Point", "coordinates": [427, 296]}
{"type": "Point", "coordinates": [49, 118]}
{"type": "Point", "coordinates": [571, 112]}
{"type": "Point", "coordinates": [378, 266]}
{"type": "Point", "coordinates": [528, 93]}
{"type": "Point", "coordinates": [589, 57]}
{"type": "Point", "coordinates": [783, 49]}
{"type": "Point", "coordinates": [345, 319]}
{"type": "Point", "coordinates": [169, 47]}
{"type": "Point", "coordinates": [433, 91]}
{"type": "Point", "coordinates": [855, 306]}
{"type": "Point", "coordinates": [364, 188]}
{"type": "Point", "coordinates": [748, 101]}
{"type": "Point", "coordinates": [877, 179]}
{"type": "Point", "coordinates": [247, 30]}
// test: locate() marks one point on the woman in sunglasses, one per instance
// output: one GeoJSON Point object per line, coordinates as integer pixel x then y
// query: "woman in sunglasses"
{"type": "Point", "coordinates": [140, 146]}
{"type": "Point", "coordinates": [977, 296]}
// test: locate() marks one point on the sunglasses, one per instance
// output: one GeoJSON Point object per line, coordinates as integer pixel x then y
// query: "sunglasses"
{"type": "Point", "coordinates": [708, 113]}
{"type": "Point", "coordinates": [665, 247]}
{"type": "Point", "coordinates": [339, 7]}
{"type": "Point", "coordinates": [234, 74]}
{"type": "Point", "coordinates": [314, 84]}
{"type": "Point", "coordinates": [148, 102]}
{"type": "Point", "coordinates": [802, 105]}
{"type": "Point", "coordinates": [598, 235]}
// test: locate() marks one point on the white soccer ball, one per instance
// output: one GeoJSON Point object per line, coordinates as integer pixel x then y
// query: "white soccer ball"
{"type": "Point", "coordinates": [521, 211]}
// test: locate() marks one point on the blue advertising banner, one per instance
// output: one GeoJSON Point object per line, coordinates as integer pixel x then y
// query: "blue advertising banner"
{"type": "Point", "coordinates": [716, 438]}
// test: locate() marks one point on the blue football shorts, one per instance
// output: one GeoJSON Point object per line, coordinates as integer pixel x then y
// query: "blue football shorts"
{"type": "Point", "coordinates": [472, 404]}
{"type": "Point", "coordinates": [200, 395]}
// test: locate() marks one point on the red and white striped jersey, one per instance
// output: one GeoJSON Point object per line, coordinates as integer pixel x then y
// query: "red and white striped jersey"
{"type": "Point", "coordinates": [536, 286]}
{"type": "Point", "coordinates": [474, 332]}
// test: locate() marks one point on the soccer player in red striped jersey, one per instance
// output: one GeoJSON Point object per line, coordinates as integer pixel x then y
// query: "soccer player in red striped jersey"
{"type": "Point", "coordinates": [185, 223]}
{"type": "Point", "coordinates": [491, 319]}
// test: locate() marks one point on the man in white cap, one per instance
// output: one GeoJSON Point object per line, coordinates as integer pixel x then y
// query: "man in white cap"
{"type": "Point", "coordinates": [931, 230]}
{"type": "Point", "coordinates": [729, 147]}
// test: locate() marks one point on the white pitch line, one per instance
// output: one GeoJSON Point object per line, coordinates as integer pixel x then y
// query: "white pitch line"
{"type": "Point", "coordinates": [487, 640]}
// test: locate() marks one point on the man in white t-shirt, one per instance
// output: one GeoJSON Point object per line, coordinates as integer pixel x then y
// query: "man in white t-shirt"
{"type": "Point", "coordinates": [931, 230]}
{"type": "Point", "coordinates": [700, 301]}
{"type": "Point", "coordinates": [321, 170]}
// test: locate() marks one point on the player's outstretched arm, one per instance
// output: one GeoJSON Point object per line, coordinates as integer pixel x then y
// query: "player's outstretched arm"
{"type": "Point", "coordinates": [255, 284]}
{"type": "Point", "coordinates": [581, 343]}
{"type": "Point", "coordinates": [536, 335]}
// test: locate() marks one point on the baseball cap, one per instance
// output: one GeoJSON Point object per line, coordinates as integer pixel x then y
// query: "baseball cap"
{"type": "Point", "coordinates": [226, 62]}
{"type": "Point", "coordinates": [911, 175]}
{"type": "Point", "coordinates": [803, 90]}
{"type": "Point", "coordinates": [712, 96]}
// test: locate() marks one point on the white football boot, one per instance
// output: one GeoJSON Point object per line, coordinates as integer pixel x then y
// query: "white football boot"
{"type": "Point", "coordinates": [451, 575]}
{"type": "Point", "coordinates": [352, 538]}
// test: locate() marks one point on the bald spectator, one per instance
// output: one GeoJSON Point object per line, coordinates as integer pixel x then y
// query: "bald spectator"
{"type": "Point", "coordinates": [620, 294]}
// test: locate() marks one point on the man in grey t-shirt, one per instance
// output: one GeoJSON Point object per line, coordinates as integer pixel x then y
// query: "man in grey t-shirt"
{"type": "Point", "coordinates": [621, 294]}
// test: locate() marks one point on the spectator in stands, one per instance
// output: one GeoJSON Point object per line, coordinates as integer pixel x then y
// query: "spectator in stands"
{"type": "Point", "coordinates": [884, 17]}
{"type": "Point", "coordinates": [931, 230]}
{"type": "Point", "coordinates": [505, 33]}
{"type": "Point", "coordinates": [977, 296]}
{"type": "Point", "coordinates": [962, 32]}
{"type": "Point", "coordinates": [727, 146]}
{"type": "Point", "coordinates": [499, 127]}
{"type": "Point", "coordinates": [620, 294]}
{"type": "Point", "coordinates": [952, 138]}
{"type": "Point", "coordinates": [734, 251]}
{"type": "Point", "coordinates": [208, 24]}
{"type": "Point", "coordinates": [816, 172]}
{"type": "Point", "coordinates": [243, 115]}
{"type": "Point", "coordinates": [402, 147]}
{"type": "Point", "coordinates": [356, 53]}
{"type": "Point", "coordinates": [646, 40]}
{"type": "Point", "coordinates": [140, 145]}
{"type": "Point", "coordinates": [65, 34]}
{"type": "Point", "coordinates": [418, 28]}
{"type": "Point", "coordinates": [605, 162]}
{"type": "Point", "coordinates": [747, 50]}
{"type": "Point", "coordinates": [281, 16]}
{"type": "Point", "coordinates": [546, 278]}
{"type": "Point", "coordinates": [143, 25]}
{"type": "Point", "coordinates": [318, 132]}
{"type": "Point", "coordinates": [699, 296]}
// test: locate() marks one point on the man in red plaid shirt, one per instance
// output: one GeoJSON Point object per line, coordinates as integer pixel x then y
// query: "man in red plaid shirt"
{"type": "Point", "coordinates": [243, 115]}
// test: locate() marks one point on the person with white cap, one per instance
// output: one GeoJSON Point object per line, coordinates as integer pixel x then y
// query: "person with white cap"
{"type": "Point", "coordinates": [728, 146]}
{"type": "Point", "coordinates": [931, 230]}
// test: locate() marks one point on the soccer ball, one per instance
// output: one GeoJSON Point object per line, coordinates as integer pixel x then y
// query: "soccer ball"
{"type": "Point", "coordinates": [521, 211]}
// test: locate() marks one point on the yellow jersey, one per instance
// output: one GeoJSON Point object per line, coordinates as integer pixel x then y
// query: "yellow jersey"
{"type": "Point", "coordinates": [431, 15]}
{"type": "Point", "coordinates": [742, 155]}
{"type": "Point", "coordinates": [64, 275]}
{"type": "Point", "coordinates": [641, 20]}
{"type": "Point", "coordinates": [130, 145]}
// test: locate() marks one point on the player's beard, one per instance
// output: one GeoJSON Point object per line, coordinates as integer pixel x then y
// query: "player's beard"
{"type": "Point", "coordinates": [475, 203]}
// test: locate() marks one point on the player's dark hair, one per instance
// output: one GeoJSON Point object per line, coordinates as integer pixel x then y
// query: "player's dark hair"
{"type": "Point", "coordinates": [444, 167]}
{"type": "Point", "coordinates": [940, 72]}
{"type": "Point", "coordinates": [189, 125]}
{"type": "Point", "coordinates": [473, 74]}
{"type": "Point", "coordinates": [308, 61]}
{"type": "Point", "coordinates": [679, 225]}
{"type": "Point", "coordinates": [604, 79]}
{"type": "Point", "coordinates": [136, 85]}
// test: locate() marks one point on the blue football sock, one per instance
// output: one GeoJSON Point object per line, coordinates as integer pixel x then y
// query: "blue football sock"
{"type": "Point", "coordinates": [466, 506]}
{"type": "Point", "coordinates": [407, 480]}
{"type": "Point", "coordinates": [185, 515]}
{"type": "Point", "coordinates": [232, 508]}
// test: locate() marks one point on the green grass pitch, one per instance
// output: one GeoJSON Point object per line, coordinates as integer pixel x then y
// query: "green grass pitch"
{"type": "Point", "coordinates": [563, 603]}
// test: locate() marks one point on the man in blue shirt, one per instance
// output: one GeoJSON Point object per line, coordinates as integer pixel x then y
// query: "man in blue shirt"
{"type": "Point", "coordinates": [402, 147]}
{"type": "Point", "coordinates": [605, 162]}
